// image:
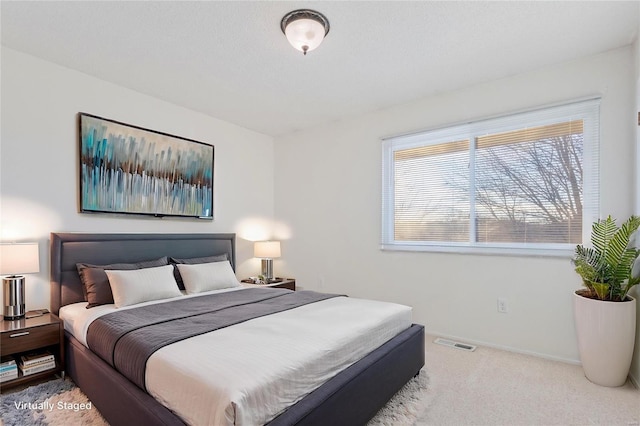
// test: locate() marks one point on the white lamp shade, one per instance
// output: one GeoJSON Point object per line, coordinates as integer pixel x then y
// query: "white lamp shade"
{"type": "Point", "coordinates": [305, 32]}
{"type": "Point", "coordinates": [266, 249]}
{"type": "Point", "coordinates": [19, 259]}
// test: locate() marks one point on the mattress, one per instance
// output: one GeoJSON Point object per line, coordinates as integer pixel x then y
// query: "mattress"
{"type": "Point", "coordinates": [249, 373]}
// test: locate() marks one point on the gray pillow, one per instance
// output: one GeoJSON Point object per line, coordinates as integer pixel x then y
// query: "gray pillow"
{"type": "Point", "coordinates": [95, 283]}
{"type": "Point", "coordinates": [195, 261]}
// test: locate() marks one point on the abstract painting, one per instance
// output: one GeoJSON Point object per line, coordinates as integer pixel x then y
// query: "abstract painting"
{"type": "Point", "coordinates": [129, 169]}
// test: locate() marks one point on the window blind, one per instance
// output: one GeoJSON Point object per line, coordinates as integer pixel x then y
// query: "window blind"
{"type": "Point", "coordinates": [526, 181]}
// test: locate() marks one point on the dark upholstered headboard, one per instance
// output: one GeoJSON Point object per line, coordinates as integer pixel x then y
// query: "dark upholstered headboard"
{"type": "Point", "coordinates": [67, 249]}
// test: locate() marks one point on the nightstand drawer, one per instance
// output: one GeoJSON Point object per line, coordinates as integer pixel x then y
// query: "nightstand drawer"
{"type": "Point", "coordinates": [30, 338]}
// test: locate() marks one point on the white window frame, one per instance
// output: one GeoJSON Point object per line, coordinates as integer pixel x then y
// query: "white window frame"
{"type": "Point", "coordinates": [587, 110]}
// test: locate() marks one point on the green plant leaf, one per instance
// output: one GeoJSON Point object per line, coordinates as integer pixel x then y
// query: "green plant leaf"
{"type": "Point", "coordinates": [618, 248]}
{"type": "Point", "coordinates": [601, 289]}
{"type": "Point", "coordinates": [610, 267]}
{"type": "Point", "coordinates": [632, 282]}
{"type": "Point", "coordinates": [601, 233]}
{"type": "Point", "coordinates": [590, 264]}
{"type": "Point", "coordinates": [625, 264]}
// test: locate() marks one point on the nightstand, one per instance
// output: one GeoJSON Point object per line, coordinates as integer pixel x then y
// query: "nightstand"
{"type": "Point", "coordinates": [33, 335]}
{"type": "Point", "coordinates": [288, 283]}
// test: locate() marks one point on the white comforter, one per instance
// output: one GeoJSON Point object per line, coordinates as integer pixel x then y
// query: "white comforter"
{"type": "Point", "coordinates": [249, 373]}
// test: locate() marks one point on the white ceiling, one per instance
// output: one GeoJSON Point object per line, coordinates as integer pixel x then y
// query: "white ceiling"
{"type": "Point", "coordinates": [231, 61]}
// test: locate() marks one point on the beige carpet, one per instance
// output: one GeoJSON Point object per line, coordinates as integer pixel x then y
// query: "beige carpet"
{"type": "Point", "coordinates": [493, 387]}
{"type": "Point", "coordinates": [485, 387]}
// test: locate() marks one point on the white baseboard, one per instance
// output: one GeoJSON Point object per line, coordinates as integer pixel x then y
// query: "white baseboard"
{"type": "Point", "coordinates": [505, 348]}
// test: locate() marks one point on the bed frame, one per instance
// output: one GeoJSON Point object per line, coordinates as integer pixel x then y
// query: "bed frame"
{"type": "Point", "coordinates": [352, 397]}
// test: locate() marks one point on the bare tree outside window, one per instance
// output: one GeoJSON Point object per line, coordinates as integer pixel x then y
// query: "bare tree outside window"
{"type": "Point", "coordinates": [530, 192]}
{"type": "Point", "coordinates": [518, 184]}
{"type": "Point", "coordinates": [528, 188]}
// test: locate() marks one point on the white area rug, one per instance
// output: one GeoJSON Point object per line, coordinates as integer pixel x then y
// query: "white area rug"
{"type": "Point", "coordinates": [406, 406]}
{"type": "Point", "coordinates": [60, 403]}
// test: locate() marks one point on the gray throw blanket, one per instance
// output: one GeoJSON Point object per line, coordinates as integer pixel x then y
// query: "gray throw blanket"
{"type": "Point", "coordinates": [126, 339]}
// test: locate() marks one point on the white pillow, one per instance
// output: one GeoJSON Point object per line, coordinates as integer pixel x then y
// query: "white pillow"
{"type": "Point", "coordinates": [207, 276]}
{"type": "Point", "coordinates": [142, 285]}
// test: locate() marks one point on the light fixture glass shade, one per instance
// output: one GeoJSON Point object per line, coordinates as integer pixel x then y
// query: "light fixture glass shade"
{"type": "Point", "coordinates": [305, 33]}
{"type": "Point", "coordinates": [19, 259]}
{"type": "Point", "coordinates": [266, 249]}
{"type": "Point", "coordinates": [305, 29]}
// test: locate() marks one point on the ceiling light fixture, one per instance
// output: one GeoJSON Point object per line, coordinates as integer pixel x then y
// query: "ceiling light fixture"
{"type": "Point", "coordinates": [305, 29]}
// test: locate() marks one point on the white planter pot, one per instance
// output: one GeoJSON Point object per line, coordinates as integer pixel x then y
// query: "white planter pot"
{"type": "Point", "coordinates": [606, 334]}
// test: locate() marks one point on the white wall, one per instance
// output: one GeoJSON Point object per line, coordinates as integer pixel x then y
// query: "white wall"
{"type": "Point", "coordinates": [38, 162]}
{"type": "Point", "coordinates": [327, 193]}
{"type": "Point", "coordinates": [328, 189]}
{"type": "Point", "coordinates": [635, 366]}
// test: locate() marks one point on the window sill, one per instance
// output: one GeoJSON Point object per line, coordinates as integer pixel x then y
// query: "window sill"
{"type": "Point", "coordinates": [537, 251]}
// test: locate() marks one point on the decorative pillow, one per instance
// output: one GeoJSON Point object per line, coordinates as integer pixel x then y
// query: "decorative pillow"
{"type": "Point", "coordinates": [194, 261]}
{"type": "Point", "coordinates": [142, 285]}
{"type": "Point", "coordinates": [208, 276]}
{"type": "Point", "coordinates": [95, 283]}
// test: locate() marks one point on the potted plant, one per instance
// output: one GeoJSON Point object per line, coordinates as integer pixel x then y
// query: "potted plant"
{"type": "Point", "coordinates": [604, 312]}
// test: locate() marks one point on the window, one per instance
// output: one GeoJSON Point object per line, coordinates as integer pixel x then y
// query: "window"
{"type": "Point", "coordinates": [523, 183]}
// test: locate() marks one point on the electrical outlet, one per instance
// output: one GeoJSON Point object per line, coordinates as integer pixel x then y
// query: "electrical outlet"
{"type": "Point", "coordinates": [502, 305]}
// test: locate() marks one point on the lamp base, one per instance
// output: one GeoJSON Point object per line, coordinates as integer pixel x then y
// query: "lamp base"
{"type": "Point", "coordinates": [267, 269]}
{"type": "Point", "coordinates": [14, 307]}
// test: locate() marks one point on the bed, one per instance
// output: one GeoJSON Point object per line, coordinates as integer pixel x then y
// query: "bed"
{"type": "Point", "coordinates": [350, 397]}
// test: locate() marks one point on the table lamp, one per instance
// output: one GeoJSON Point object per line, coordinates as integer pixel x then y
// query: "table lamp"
{"type": "Point", "coordinates": [17, 259]}
{"type": "Point", "coordinates": [267, 251]}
